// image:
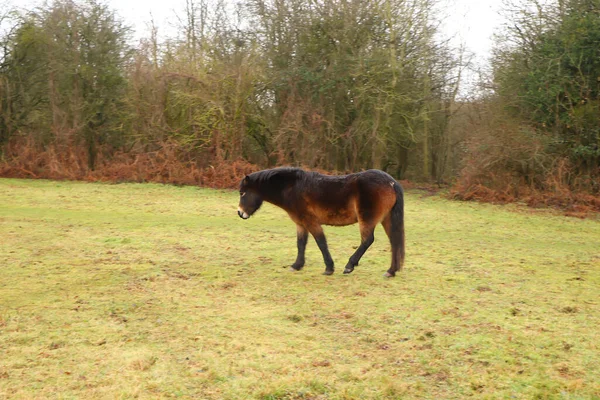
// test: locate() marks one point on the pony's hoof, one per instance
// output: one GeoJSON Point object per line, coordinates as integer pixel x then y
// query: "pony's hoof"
{"type": "Point", "coordinates": [348, 270]}
{"type": "Point", "coordinates": [328, 272]}
{"type": "Point", "coordinates": [389, 275]}
{"type": "Point", "coordinates": [294, 269]}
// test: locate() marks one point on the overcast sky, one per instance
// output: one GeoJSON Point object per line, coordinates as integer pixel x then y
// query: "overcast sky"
{"type": "Point", "coordinates": [473, 21]}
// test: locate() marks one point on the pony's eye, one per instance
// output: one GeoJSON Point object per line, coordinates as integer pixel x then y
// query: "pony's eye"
{"type": "Point", "coordinates": [242, 194]}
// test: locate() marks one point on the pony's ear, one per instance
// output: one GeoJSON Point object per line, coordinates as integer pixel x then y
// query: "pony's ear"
{"type": "Point", "coordinates": [246, 180]}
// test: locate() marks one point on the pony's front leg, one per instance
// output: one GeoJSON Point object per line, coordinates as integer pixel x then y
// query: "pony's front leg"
{"type": "Point", "coordinates": [319, 235]}
{"type": "Point", "coordinates": [302, 239]}
{"type": "Point", "coordinates": [367, 235]}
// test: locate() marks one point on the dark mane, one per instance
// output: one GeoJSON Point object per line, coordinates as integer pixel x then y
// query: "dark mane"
{"type": "Point", "coordinates": [282, 173]}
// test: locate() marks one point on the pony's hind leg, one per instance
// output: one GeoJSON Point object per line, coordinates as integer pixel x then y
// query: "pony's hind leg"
{"type": "Point", "coordinates": [367, 235]}
{"type": "Point", "coordinates": [302, 239]}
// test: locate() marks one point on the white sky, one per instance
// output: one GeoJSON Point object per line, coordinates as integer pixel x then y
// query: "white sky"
{"type": "Point", "coordinates": [474, 22]}
{"type": "Point", "coordinates": [471, 22]}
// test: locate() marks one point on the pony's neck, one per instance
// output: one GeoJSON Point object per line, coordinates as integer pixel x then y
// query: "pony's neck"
{"type": "Point", "coordinates": [272, 192]}
{"type": "Point", "coordinates": [272, 195]}
{"type": "Point", "coordinates": [272, 186]}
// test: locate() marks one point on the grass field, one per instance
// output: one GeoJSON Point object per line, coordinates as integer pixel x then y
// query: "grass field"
{"type": "Point", "coordinates": [150, 291]}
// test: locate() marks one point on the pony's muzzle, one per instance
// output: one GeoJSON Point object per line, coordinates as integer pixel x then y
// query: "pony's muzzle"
{"type": "Point", "coordinates": [243, 214]}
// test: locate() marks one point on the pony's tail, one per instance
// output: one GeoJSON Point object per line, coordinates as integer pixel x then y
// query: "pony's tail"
{"type": "Point", "coordinates": [397, 231]}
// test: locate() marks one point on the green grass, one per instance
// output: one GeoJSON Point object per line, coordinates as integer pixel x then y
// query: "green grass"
{"type": "Point", "coordinates": [150, 291]}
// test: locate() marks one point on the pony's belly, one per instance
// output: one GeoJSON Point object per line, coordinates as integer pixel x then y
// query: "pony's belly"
{"type": "Point", "coordinates": [338, 218]}
{"type": "Point", "coordinates": [333, 211]}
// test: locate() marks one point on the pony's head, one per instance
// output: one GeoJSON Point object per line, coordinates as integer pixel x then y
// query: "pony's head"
{"type": "Point", "coordinates": [250, 199]}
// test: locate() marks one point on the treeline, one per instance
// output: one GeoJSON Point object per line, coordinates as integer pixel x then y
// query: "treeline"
{"type": "Point", "coordinates": [537, 131]}
{"type": "Point", "coordinates": [334, 84]}
{"type": "Point", "coordinates": [339, 85]}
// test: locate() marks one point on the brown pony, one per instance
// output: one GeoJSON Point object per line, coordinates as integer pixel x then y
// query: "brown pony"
{"type": "Point", "coordinates": [312, 199]}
